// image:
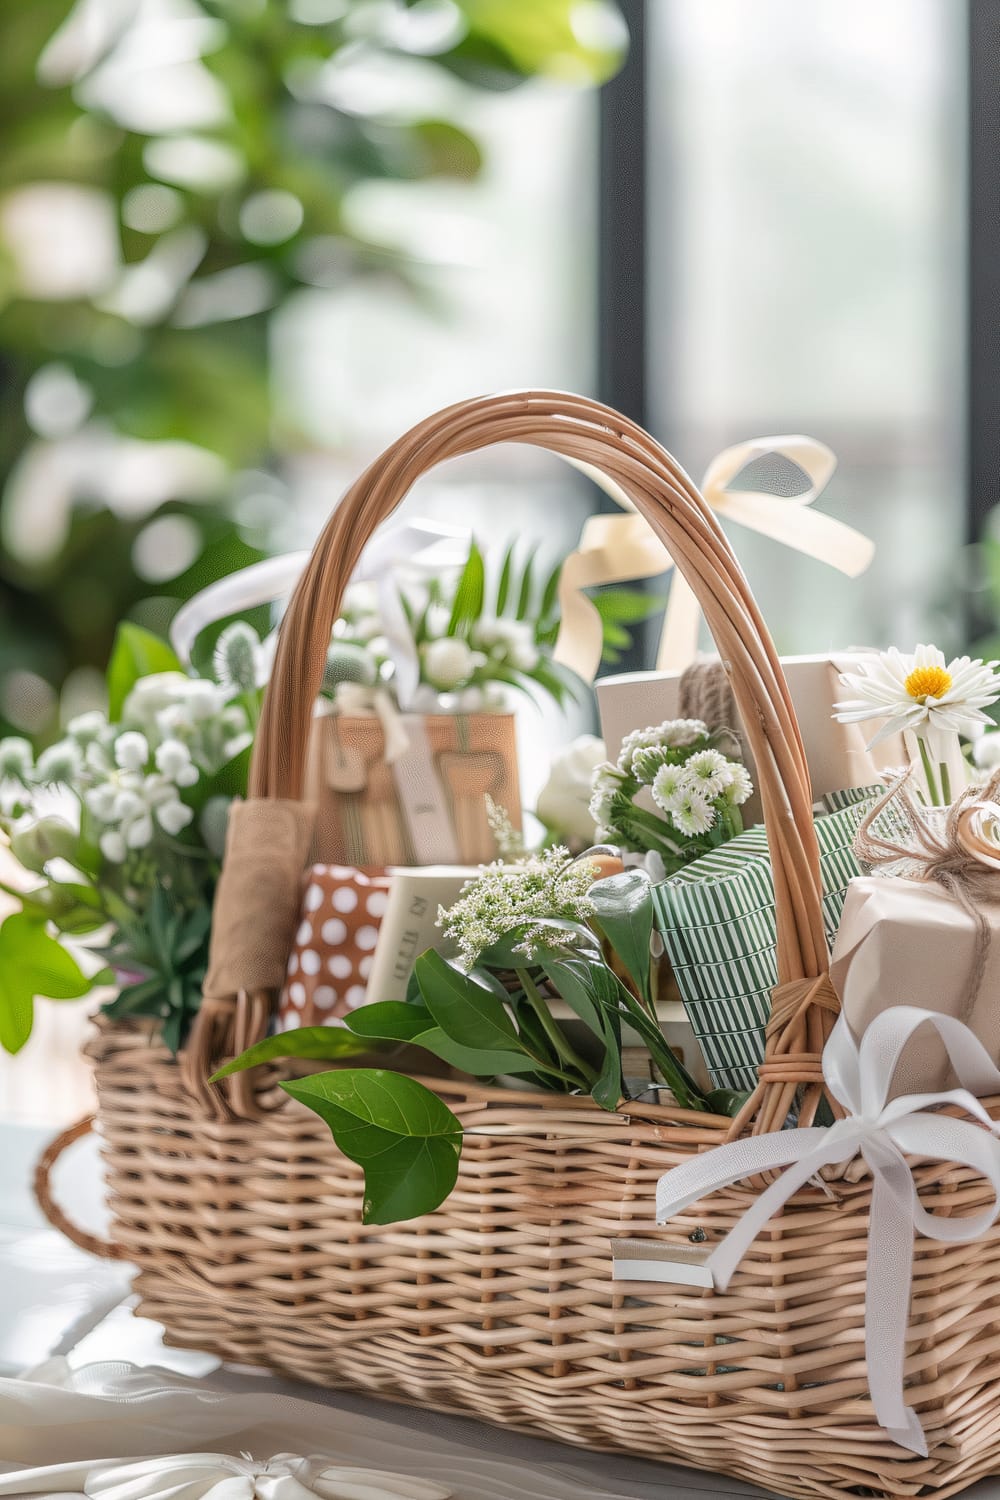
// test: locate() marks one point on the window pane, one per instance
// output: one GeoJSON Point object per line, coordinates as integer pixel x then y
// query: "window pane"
{"type": "Point", "coordinates": [807, 250]}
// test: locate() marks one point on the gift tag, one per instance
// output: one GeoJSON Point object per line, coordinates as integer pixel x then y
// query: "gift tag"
{"type": "Point", "coordinates": [651, 1260]}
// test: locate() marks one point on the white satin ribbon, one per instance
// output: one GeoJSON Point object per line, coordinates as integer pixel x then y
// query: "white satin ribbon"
{"type": "Point", "coordinates": [419, 547]}
{"type": "Point", "coordinates": [884, 1133]}
{"type": "Point", "coordinates": [615, 548]}
{"type": "Point", "coordinates": [216, 1476]}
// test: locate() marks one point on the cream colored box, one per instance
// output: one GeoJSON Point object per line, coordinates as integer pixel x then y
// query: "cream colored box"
{"type": "Point", "coordinates": [836, 752]}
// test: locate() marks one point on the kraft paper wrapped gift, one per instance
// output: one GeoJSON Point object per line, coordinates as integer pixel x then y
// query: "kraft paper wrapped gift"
{"type": "Point", "coordinates": [418, 801]}
{"type": "Point", "coordinates": [907, 942]}
{"type": "Point", "coordinates": [717, 920]}
{"type": "Point", "coordinates": [836, 752]}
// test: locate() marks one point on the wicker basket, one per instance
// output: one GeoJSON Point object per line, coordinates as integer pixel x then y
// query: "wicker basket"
{"type": "Point", "coordinates": [244, 1221]}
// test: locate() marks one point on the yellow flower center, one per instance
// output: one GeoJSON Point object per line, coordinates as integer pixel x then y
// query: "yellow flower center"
{"type": "Point", "coordinates": [928, 682]}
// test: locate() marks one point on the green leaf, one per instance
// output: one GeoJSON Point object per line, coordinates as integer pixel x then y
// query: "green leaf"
{"type": "Point", "coordinates": [550, 592]}
{"type": "Point", "coordinates": [726, 1101]}
{"type": "Point", "coordinates": [464, 1010]}
{"type": "Point", "coordinates": [628, 606]}
{"type": "Point", "coordinates": [408, 1142]}
{"type": "Point", "coordinates": [592, 993]}
{"type": "Point", "coordinates": [390, 1021]}
{"type": "Point", "coordinates": [470, 592]}
{"type": "Point", "coordinates": [526, 590]}
{"type": "Point", "coordinates": [480, 1062]}
{"type": "Point", "coordinates": [322, 1043]}
{"type": "Point", "coordinates": [503, 584]}
{"type": "Point", "coordinates": [136, 653]}
{"type": "Point", "coordinates": [32, 963]}
{"type": "Point", "coordinates": [624, 907]}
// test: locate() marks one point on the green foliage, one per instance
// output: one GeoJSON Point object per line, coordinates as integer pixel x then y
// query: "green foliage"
{"type": "Point", "coordinates": [623, 906]}
{"type": "Point", "coordinates": [167, 950]}
{"type": "Point", "coordinates": [192, 366]}
{"type": "Point", "coordinates": [408, 1142]}
{"type": "Point", "coordinates": [32, 963]}
{"type": "Point", "coordinates": [318, 1043]}
{"type": "Point", "coordinates": [136, 653]}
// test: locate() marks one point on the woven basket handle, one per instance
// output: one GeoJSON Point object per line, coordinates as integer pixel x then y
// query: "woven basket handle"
{"type": "Point", "coordinates": [804, 1003]}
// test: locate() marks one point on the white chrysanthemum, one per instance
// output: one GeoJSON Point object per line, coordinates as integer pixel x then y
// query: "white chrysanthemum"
{"type": "Point", "coordinates": [740, 787]}
{"type": "Point", "coordinates": [87, 728]}
{"type": "Point", "coordinates": [237, 661]}
{"type": "Point", "coordinates": [708, 773]}
{"type": "Point", "coordinates": [670, 788]}
{"type": "Point", "coordinates": [693, 815]}
{"type": "Point", "coordinates": [638, 739]}
{"type": "Point", "coordinates": [606, 786]}
{"type": "Point", "coordinates": [920, 692]}
{"type": "Point", "coordinates": [132, 750]}
{"type": "Point", "coordinates": [173, 816]}
{"type": "Point", "coordinates": [173, 760]}
{"type": "Point", "coordinates": [15, 759]}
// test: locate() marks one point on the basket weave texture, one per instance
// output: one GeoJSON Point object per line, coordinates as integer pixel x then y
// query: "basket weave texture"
{"type": "Point", "coordinates": [245, 1222]}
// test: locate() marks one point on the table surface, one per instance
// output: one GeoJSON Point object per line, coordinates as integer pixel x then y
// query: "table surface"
{"type": "Point", "coordinates": [56, 1300]}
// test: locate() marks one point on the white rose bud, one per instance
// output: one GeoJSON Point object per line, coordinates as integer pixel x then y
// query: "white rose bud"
{"type": "Point", "coordinates": [448, 663]}
{"type": "Point", "coordinates": [564, 801]}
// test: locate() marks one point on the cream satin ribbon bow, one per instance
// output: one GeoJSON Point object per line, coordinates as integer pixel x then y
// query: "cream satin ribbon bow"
{"type": "Point", "coordinates": [616, 548]}
{"type": "Point", "coordinates": [884, 1133]}
{"type": "Point", "coordinates": [214, 1476]}
{"type": "Point", "coordinates": [418, 546]}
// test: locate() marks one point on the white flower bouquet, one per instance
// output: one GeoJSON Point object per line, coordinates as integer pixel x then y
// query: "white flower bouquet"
{"type": "Point", "coordinates": [122, 824]}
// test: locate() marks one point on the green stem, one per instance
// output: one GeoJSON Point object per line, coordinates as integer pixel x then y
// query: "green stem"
{"type": "Point", "coordinates": [945, 783]}
{"type": "Point", "coordinates": [562, 1047]}
{"type": "Point", "coordinates": [685, 1090]}
{"type": "Point", "coordinates": [932, 787]}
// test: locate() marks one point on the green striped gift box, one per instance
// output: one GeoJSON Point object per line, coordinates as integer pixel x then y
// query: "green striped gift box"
{"type": "Point", "coordinates": [717, 921]}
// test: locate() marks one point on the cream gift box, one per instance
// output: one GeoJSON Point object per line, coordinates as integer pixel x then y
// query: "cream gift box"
{"type": "Point", "coordinates": [907, 942]}
{"type": "Point", "coordinates": [836, 752]}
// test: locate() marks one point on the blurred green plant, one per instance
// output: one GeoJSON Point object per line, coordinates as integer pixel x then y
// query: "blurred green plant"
{"type": "Point", "coordinates": [169, 176]}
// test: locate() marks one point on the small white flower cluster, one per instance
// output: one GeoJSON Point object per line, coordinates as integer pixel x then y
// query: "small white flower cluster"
{"type": "Point", "coordinates": [511, 643]}
{"type": "Point", "coordinates": [692, 783]}
{"type": "Point", "coordinates": [130, 777]}
{"type": "Point", "coordinates": [688, 793]}
{"type": "Point", "coordinates": [503, 898]}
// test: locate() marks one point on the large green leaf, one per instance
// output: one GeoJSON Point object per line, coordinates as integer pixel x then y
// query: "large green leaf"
{"type": "Point", "coordinates": [405, 1138]}
{"type": "Point", "coordinates": [464, 1010]}
{"type": "Point", "coordinates": [321, 1043]}
{"type": "Point", "coordinates": [541, 36]}
{"type": "Point", "coordinates": [480, 1062]}
{"type": "Point", "coordinates": [623, 905]}
{"type": "Point", "coordinates": [32, 963]}
{"type": "Point", "coordinates": [136, 653]}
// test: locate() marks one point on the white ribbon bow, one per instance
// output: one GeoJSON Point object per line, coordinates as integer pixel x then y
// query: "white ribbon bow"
{"type": "Point", "coordinates": [616, 548]}
{"type": "Point", "coordinates": [417, 546]}
{"type": "Point", "coordinates": [215, 1476]}
{"type": "Point", "coordinates": [884, 1133]}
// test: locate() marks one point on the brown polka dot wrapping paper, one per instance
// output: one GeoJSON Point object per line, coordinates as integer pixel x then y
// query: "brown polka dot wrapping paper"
{"type": "Point", "coordinates": [331, 958]}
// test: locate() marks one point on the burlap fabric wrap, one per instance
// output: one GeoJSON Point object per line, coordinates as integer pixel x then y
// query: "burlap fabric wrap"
{"type": "Point", "coordinates": [246, 1226]}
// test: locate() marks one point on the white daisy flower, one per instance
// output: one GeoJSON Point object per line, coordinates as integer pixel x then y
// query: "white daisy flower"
{"type": "Point", "coordinates": [132, 750]}
{"type": "Point", "coordinates": [694, 815]}
{"type": "Point", "coordinates": [670, 788]}
{"type": "Point", "coordinates": [920, 692]}
{"type": "Point", "coordinates": [708, 773]}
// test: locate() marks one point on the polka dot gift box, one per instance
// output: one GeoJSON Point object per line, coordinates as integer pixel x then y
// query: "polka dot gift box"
{"type": "Point", "coordinates": [331, 959]}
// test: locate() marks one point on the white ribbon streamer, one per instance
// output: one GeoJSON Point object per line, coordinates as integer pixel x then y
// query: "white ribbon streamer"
{"type": "Point", "coordinates": [216, 1476]}
{"type": "Point", "coordinates": [418, 547]}
{"type": "Point", "coordinates": [884, 1132]}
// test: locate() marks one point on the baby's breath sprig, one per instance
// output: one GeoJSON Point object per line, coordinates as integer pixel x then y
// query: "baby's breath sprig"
{"type": "Point", "coordinates": [503, 898]}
